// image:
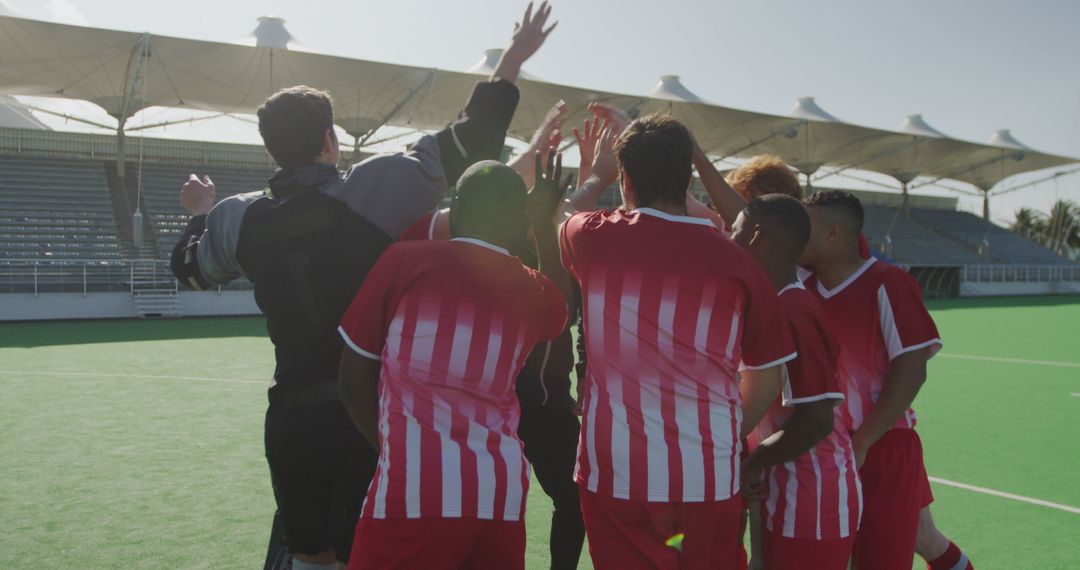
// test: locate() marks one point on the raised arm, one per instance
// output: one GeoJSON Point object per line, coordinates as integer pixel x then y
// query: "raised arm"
{"type": "Point", "coordinates": [205, 254]}
{"type": "Point", "coordinates": [723, 196]}
{"type": "Point", "coordinates": [547, 137]}
{"type": "Point", "coordinates": [543, 204]}
{"type": "Point", "coordinates": [529, 35]}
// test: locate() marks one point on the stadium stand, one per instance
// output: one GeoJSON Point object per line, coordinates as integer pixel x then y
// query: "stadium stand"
{"type": "Point", "coordinates": [56, 209]}
{"type": "Point", "coordinates": [914, 243]}
{"type": "Point", "coordinates": [160, 183]}
{"type": "Point", "coordinates": [1005, 246]}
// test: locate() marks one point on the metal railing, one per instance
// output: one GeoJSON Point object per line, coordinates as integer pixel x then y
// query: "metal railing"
{"type": "Point", "coordinates": [88, 276]}
{"type": "Point", "coordinates": [1020, 273]}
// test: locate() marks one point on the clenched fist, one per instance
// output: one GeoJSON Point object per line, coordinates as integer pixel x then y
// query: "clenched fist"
{"type": "Point", "coordinates": [197, 196]}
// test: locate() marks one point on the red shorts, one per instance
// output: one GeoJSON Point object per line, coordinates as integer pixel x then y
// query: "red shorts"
{"type": "Point", "coordinates": [627, 535]}
{"type": "Point", "coordinates": [895, 489]}
{"type": "Point", "coordinates": [783, 553]}
{"type": "Point", "coordinates": [438, 544]}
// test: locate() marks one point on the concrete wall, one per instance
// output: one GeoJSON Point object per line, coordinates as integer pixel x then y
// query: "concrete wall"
{"type": "Point", "coordinates": [57, 306]}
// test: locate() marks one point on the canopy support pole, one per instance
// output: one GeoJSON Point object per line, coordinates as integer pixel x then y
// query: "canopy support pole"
{"type": "Point", "coordinates": [136, 65]}
{"type": "Point", "coordinates": [905, 199]}
{"type": "Point", "coordinates": [986, 205]}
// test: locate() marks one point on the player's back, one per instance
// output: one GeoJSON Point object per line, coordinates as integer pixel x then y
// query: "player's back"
{"type": "Point", "coordinates": [462, 315]}
{"type": "Point", "coordinates": [665, 302]}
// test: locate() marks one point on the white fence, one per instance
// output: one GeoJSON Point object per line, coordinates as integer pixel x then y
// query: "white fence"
{"type": "Point", "coordinates": [1020, 273]}
{"type": "Point", "coordinates": [39, 276]}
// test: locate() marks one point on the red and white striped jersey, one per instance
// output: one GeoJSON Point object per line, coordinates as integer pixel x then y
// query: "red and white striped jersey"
{"type": "Point", "coordinates": [452, 322]}
{"type": "Point", "coordinates": [817, 496]}
{"type": "Point", "coordinates": [670, 309]}
{"type": "Point", "coordinates": [877, 314]}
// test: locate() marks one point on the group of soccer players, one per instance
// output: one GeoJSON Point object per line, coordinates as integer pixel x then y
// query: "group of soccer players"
{"type": "Point", "coordinates": [743, 368]}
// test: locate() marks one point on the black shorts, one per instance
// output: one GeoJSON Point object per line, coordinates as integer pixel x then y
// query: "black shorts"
{"type": "Point", "coordinates": [320, 467]}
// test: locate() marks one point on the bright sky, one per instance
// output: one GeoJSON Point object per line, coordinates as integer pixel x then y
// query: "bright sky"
{"type": "Point", "coordinates": [970, 66]}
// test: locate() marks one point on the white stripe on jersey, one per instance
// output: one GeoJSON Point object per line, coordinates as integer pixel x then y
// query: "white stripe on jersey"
{"type": "Point", "coordinates": [620, 425]}
{"type": "Point", "coordinates": [772, 499]}
{"type": "Point", "coordinates": [412, 460]}
{"type": "Point", "coordinates": [485, 471]}
{"type": "Point", "coordinates": [842, 495]}
{"type": "Point", "coordinates": [462, 342]}
{"type": "Point", "coordinates": [451, 459]}
{"type": "Point", "coordinates": [817, 497]}
{"type": "Point", "coordinates": [791, 499]}
{"type": "Point", "coordinates": [889, 332]}
{"type": "Point", "coordinates": [491, 359]}
{"type": "Point", "coordinates": [379, 508]}
{"type": "Point", "coordinates": [510, 450]}
{"type": "Point", "coordinates": [595, 332]}
{"type": "Point", "coordinates": [733, 336]}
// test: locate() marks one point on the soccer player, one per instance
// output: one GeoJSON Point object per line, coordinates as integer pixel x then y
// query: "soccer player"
{"type": "Point", "coordinates": [671, 308]}
{"type": "Point", "coordinates": [307, 244]}
{"type": "Point", "coordinates": [549, 425]}
{"type": "Point", "coordinates": [886, 336]}
{"type": "Point", "coordinates": [802, 446]}
{"type": "Point", "coordinates": [438, 332]}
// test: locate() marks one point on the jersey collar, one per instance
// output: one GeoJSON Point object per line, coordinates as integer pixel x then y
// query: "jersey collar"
{"type": "Point", "coordinates": [826, 293]}
{"type": "Point", "coordinates": [482, 243]}
{"type": "Point", "coordinates": [795, 285]}
{"type": "Point", "coordinates": [673, 218]}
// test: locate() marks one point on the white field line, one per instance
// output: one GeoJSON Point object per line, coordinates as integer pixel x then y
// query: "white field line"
{"type": "Point", "coordinates": [1004, 495]}
{"type": "Point", "coordinates": [1011, 360]}
{"type": "Point", "coordinates": [149, 376]}
{"type": "Point", "coordinates": [1075, 394]}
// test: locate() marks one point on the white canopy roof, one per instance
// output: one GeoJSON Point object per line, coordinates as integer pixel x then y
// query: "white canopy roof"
{"type": "Point", "coordinates": [123, 72]}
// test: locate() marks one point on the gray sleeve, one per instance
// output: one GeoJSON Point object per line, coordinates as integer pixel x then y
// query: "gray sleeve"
{"type": "Point", "coordinates": [216, 253]}
{"type": "Point", "coordinates": [395, 190]}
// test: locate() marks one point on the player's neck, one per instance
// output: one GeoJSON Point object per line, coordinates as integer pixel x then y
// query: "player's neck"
{"type": "Point", "coordinates": [781, 274]}
{"type": "Point", "coordinates": [834, 272]}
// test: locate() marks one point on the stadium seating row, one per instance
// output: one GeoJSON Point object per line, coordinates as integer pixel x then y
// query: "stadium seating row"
{"type": "Point", "coordinates": [61, 208]}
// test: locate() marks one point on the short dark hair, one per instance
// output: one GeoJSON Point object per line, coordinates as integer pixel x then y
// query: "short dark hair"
{"type": "Point", "coordinates": [490, 202]}
{"type": "Point", "coordinates": [655, 153]}
{"type": "Point", "coordinates": [292, 123]}
{"type": "Point", "coordinates": [783, 219]}
{"type": "Point", "coordinates": [844, 204]}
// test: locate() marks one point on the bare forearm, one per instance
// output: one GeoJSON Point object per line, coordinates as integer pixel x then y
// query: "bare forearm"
{"type": "Point", "coordinates": [358, 380]}
{"type": "Point", "coordinates": [758, 389]}
{"type": "Point", "coordinates": [509, 66]}
{"type": "Point", "coordinates": [723, 196]}
{"type": "Point", "coordinates": [524, 163]}
{"type": "Point", "coordinates": [585, 198]}
{"type": "Point", "coordinates": [550, 264]}
{"type": "Point", "coordinates": [808, 425]}
{"type": "Point", "coordinates": [902, 385]}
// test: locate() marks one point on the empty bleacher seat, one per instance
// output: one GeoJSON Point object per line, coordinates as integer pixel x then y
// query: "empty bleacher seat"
{"type": "Point", "coordinates": [56, 208]}
{"type": "Point", "coordinates": [1005, 245]}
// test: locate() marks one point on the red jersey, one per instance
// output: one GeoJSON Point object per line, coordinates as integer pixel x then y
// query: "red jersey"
{"type": "Point", "coordinates": [452, 322]}
{"type": "Point", "coordinates": [877, 314]}
{"type": "Point", "coordinates": [817, 496]}
{"type": "Point", "coordinates": [670, 309]}
{"type": "Point", "coordinates": [424, 228]}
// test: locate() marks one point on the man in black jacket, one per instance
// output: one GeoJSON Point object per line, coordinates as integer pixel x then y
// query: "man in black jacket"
{"type": "Point", "coordinates": [307, 243]}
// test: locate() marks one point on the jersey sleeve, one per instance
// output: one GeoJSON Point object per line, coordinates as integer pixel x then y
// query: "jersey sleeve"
{"type": "Point", "coordinates": [811, 376]}
{"type": "Point", "coordinates": [423, 229]}
{"type": "Point", "coordinates": [364, 326]}
{"type": "Point", "coordinates": [205, 255]}
{"type": "Point", "coordinates": [906, 325]}
{"type": "Point", "coordinates": [568, 235]}
{"type": "Point", "coordinates": [553, 312]}
{"type": "Point", "coordinates": [764, 344]}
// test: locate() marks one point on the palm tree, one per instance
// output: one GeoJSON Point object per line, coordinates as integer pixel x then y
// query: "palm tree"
{"type": "Point", "coordinates": [1030, 223]}
{"type": "Point", "coordinates": [1059, 230]}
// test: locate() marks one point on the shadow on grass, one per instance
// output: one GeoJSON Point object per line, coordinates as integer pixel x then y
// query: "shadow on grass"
{"type": "Point", "coordinates": [1002, 302]}
{"type": "Point", "coordinates": [32, 334]}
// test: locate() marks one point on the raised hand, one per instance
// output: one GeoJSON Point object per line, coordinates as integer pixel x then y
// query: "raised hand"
{"type": "Point", "coordinates": [529, 35]}
{"type": "Point", "coordinates": [619, 119]}
{"type": "Point", "coordinates": [198, 196]}
{"type": "Point", "coordinates": [547, 193]}
{"type": "Point", "coordinates": [604, 166]}
{"type": "Point", "coordinates": [587, 145]}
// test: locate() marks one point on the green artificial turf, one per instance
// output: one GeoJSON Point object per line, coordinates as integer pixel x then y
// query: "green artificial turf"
{"type": "Point", "coordinates": [139, 443]}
